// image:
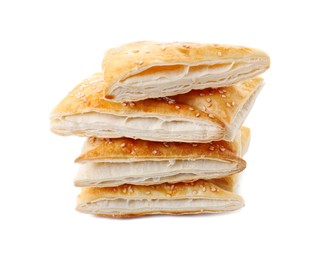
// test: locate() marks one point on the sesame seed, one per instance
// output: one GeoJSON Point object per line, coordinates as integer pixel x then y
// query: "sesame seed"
{"type": "Point", "coordinates": [190, 108]}
{"type": "Point", "coordinates": [132, 104]}
{"type": "Point", "coordinates": [211, 115]}
{"type": "Point", "coordinates": [155, 152]}
{"type": "Point", "coordinates": [210, 94]}
{"type": "Point", "coordinates": [168, 195]}
{"type": "Point", "coordinates": [220, 91]}
{"type": "Point", "coordinates": [208, 100]}
{"type": "Point", "coordinates": [228, 104]}
{"type": "Point", "coordinates": [163, 48]}
{"type": "Point", "coordinates": [204, 108]}
{"type": "Point", "coordinates": [194, 191]}
{"type": "Point", "coordinates": [194, 145]}
{"type": "Point", "coordinates": [209, 105]}
{"type": "Point", "coordinates": [172, 187]}
{"type": "Point", "coordinates": [212, 148]}
{"type": "Point", "coordinates": [133, 152]}
{"type": "Point", "coordinates": [201, 94]}
{"type": "Point", "coordinates": [166, 145]}
{"type": "Point", "coordinates": [147, 51]}
{"type": "Point", "coordinates": [124, 104]}
{"type": "Point", "coordinates": [197, 115]}
{"type": "Point", "coordinates": [115, 189]}
{"type": "Point", "coordinates": [171, 102]}
{"type": "Point", "coordinates": [213, 189]}
{"type": "Point", "coordinates": [177, 107]}
{"type": "Point", "coordinates": [223, 96]}
{"type": "Point", "coordinates": [135, 50]}
{"type": "Point", "coordinates": [148, 193]}
{"type": "Point", "coordinates": [233, 103]}
{"type": "Point", "coordinates": [140, 62]}
{"type": "Point", "coordinates": [219, 54]}
{"type": "Point", "coordinates": [123, 144]}
{"type": "Point", "coordinates": [186, 45]}
{"type": "Point", "coordinates": [222, 148]}
{"type": "Point", "coordinates": [98, 91]}
{"type": "Point", "coordinates": [224, 90]}
{"type": "Point", "coordinates": [204, 189]}
{"type": "Point", "coordinates": [124, 190]}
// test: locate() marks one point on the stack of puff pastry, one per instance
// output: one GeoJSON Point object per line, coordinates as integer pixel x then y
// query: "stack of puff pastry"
{"type": "Point", "coordinates": [164, 131]}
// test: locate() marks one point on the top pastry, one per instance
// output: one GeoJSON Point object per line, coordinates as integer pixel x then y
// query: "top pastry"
{"type": "Point", "coordinates": [142, 70]}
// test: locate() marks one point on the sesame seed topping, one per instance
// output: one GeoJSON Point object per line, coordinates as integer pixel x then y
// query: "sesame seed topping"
{"type": "Point", "coordinates": [211, 115]}
{"type": "Point", "coordinates": [98, 91]}
{"type": "Point", "coordinates": [124, 190]}
{"type": "Point", "coordinates": [208, 100]}
{"type": "Point", "coordinates": [190, 108]}
{"type": "Point", "coordinates": [197, 115]}
{"type": "Point", "coordinates": [224, 90]}
{"type": "Point", "coordinates": [132, 104]}
{"type": "Point", "coordinates": [213, 189]}
{"type": "Point", "coordinates": [204, 189]}
{"type": "Point", "coordinates": [233, 103]}
{"type": "Point", "coordinates": [209, 105]}
{"type": "Point", "coordinates": [135, 50]}
{"type": "Point", "coordinates": [220, 91]}
{"type": "Point", "coordinates": [171, 102]}
{"type": "Point", "coordinates": [219, 54]}
{"type": "Point", "coordinates": [186, 45]}
{"type": "Point", "coordinates": [212, 148]}
{"type": "Point", "coordinates": [201, 94]}
{"type": "Point", "coordinates": [222, 148]}
{"type": "Point", "coordinates": [166, 145]}
{"type": "Point", "coordinates": [204, 108]}
{"type": "Point", "coordinates": [172, 187]}
{"type": "Point", "coordinates": [228, 104]}
{"type": "Point", "coordinates": [124, 104]}
{"type": "Point", "coordinates": [194, 191]}
{"type": "Point", "coordinates": [168, 195]}
{"type": "Point", "coordinates": [115, 189]}
{"type": "Point", "coordinates": [177, 107]}
{"type": "Point", "coordinates": [194, 145]}
{"type": "Point", "coordinates": [223, 96]}
{"type": "Point", "coordinates": [140, 62]}
{"type": "Point", "coordinates": [148, 193]}
{"type": "Point", "coordinates": [163, 48]}
{"type": "Point", "coordinates": [155, 152]}
{"type": "Point", "coordinates": [123, 144]}
{"type": "Point", "coordinates": [147, 51]}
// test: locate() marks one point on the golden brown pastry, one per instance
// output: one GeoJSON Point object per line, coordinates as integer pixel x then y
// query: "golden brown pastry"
{"type": "Point", "coordinates": [142, 70]}
{"type": "Point", "coordinates": [180, 198]}
{"type": "Point", "coordinates": [113, 162]}
{"type": "Point", "coordinates": [84, 112]}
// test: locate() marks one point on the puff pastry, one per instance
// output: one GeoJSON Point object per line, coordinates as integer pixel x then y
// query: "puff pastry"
{"type": "Point", "coordinates": [113, 162]}
{"type": "Point", "coordinates": [142, 70]}
{"type": "Point", "coordinates": [180, 198]}
{"type": "Point", "coordinates": [84, 112]}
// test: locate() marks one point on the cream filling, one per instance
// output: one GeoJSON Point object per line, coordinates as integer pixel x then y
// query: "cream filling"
{"type": "Point", "coordinates": [114, 206]}
{"type": "Point", "coordinates": [169, 80]}
{"type": "Point", "coordinates": [153, 128]}
{"type": "Point", "coordinates": [151, 172]}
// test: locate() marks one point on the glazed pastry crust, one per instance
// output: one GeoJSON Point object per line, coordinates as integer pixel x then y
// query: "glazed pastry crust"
{"type": "Point", "coordinates": [204, 190]}
{"type": "Point", "coordinates": [145, 59]}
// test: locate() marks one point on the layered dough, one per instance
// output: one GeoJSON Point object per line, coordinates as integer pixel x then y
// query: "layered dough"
{"type": "Point", "coordinates": [181, 198]}
{"type": "Point", "coordinates": [198, 116]}
{"type": "Point", "coordinates": [109, 163]}
{"type": "Point", "coordinates": [143, 70]}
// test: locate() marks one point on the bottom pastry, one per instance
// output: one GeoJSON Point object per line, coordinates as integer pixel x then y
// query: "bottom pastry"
{"type": "Point", "coordinates": [202, 196]}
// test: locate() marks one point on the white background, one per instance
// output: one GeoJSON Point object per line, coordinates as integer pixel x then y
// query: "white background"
{"type": "Point", "coordinates": [47, 47]}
